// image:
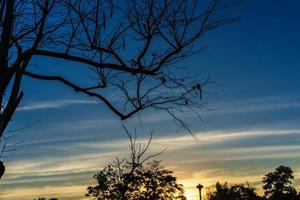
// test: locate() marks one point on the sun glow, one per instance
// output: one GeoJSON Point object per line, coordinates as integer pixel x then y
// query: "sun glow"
{"type": "Point", "coordinates": [190, 190]}
{"type": "Point", "coordinates": [191, 194]}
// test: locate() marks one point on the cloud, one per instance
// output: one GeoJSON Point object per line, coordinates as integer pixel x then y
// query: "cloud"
{"type": "Point", "coordinates": [262, 104]}
{"type": "Point", "coordinates": [30, 193]}
{"type": "Point", "coordinates": [258, 105]}
{"type": "Point", "coordinates": [184, 152]}
{"type": "Point", "coordinates": [58, 165]}
{"type": "Point", "coordinates": [214, 137]}
{"type": "Point", "coordinates": [55, 104]}
{"type": "Point", "coordinates": [89, 157]}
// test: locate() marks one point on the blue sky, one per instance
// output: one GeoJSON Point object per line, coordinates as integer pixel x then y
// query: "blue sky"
{"type": "Point", "coordinates": [254, 126]}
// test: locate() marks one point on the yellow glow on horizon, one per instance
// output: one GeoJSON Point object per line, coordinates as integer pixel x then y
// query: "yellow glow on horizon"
{"type": "Point", "coordinates": [50, 192]}
{"type": "Point", "coordinates": [190, 190]}
{"type": "Point", "coordinates": [191, 194]}
{"type": "Point", "coordinates": [191, 169]}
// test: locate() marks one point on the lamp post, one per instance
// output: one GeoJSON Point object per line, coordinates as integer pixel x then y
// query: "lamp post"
{"type": "Point", "coordinates": [199, 187]}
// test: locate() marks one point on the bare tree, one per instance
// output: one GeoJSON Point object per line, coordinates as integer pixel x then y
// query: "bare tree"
{"type": "Point", "coordinates": [137, 176]}
{"type": "Point", "coordinates": [131, 45]}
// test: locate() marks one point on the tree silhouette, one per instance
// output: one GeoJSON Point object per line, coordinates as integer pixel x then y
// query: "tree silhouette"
{"type": "Point", "coordinates": [235, 192]}
{"type": "Point", "coordinates": [220, 192]}
{"type": "Point", "coordinates": [149, 181]}
{"type": "Point", "coordinates": [131, 46]}
{"type": "Point", "coordinates": [278, 184]}
{"type": "Point", "coordinates": [134, 179]}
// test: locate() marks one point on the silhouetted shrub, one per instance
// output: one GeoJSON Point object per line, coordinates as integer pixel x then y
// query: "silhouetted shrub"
{"type": "Point", "coordinates": [278, 184]}
{"type": "Point", "coordinates": [234, 192]}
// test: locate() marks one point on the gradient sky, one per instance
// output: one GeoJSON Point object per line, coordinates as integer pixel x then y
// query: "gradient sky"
{"type": "Point", "coordinates": [254, 126]}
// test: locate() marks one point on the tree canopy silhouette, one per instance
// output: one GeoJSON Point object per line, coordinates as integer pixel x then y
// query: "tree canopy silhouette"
{"type": "Point", "coordinates": [234, 192]}
{"type": "Point", "coordinates": [131, 46]}
{"type": "Point", "coordinates": [133, 180]}
{"type": "Point", "coordinates": [147, 181]}
{"type": "Point", "coordinates": [136, 179]}
{"type": "Point", "coordinates": [278, 184]}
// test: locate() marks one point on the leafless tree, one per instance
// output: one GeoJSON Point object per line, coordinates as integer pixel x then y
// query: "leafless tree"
{"type": "Point", "coordinates": [131, 45]}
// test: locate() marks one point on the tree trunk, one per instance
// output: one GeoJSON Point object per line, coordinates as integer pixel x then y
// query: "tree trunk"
{"type": "Point", "coordinates": [2, 169]}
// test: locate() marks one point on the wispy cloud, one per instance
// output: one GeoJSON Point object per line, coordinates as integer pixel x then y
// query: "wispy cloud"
{"type": "Point", "coordinates": [184, 152]}
{"type": "Point", "coordinates": [90, 160]}
{"type": "Point", "coordinates": [262, 104]}
{"type": "Point", "coordinates": [47, 191]}
{"type": "Point", "coordinates": [258, 105]}
{"type": "Point", "coordinates": [59, 168]}
{"type": "Point", "coordinates": [55, 104]}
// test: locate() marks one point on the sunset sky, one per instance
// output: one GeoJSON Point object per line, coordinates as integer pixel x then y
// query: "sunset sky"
{"type": "Point", "coordinates": [60, 139]}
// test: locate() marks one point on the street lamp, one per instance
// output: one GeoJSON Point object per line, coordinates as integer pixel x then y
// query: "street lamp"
{"type": "Point", "coordinates": [199, 186]}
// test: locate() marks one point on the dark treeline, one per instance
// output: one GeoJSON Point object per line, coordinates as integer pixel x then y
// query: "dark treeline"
{"type": "Point", "coordinates": [139, 177]}
{"type": "Point", "coordinates": [277, 185]}
{"type": "Point", "coordinates": [151, 181]}
{"type": "Point", "coordinates": [128, 180]}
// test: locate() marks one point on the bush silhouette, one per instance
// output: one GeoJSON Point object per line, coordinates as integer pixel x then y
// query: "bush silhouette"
{"type": "Point", "coordinates": [235, 192]}
{"type": "Point", "coordinates": [278, 184]}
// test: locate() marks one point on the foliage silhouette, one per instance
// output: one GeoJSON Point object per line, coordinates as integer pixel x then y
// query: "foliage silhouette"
{"type": "Point", "coordinates": [150, 181]}
{"type": "Point", "coordinates": [133, 179]}
{"type": "Point", "coordinates": [136, 179]}
{"type": "Point", "coordinates": [131, 46]}
{"type": "Point", "coordinates": [235, 192]}
{"type": "Point", "coordinates": [278, 184]}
